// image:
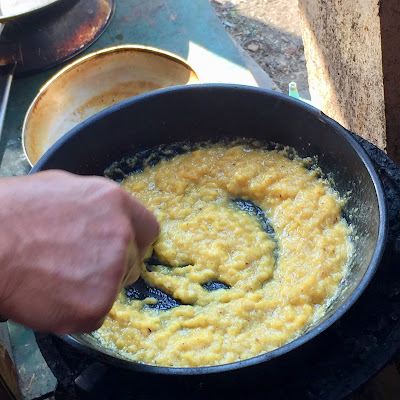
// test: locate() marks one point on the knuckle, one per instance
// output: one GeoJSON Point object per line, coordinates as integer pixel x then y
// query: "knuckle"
{"type": "Point", "coordinates": [53, 174]}
{"type": "Point", "coordinates": [125, 231]}
{"type": "Point", "coordinates": [113, 193]}
{"type": "Point", "coordinates": [91, 314]}
{"type": "Point", "coordinates": [96, 325]}
{"type": "Point", "coordinates": [90, 326]}
{"type": "Point", "coordinates": [120, 233]}
{"type": "Point", "coordinates": [81, 326]}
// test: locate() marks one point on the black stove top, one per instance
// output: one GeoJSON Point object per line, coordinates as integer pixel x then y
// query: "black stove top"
{"type": "Point", "coordinates": [341, 359]}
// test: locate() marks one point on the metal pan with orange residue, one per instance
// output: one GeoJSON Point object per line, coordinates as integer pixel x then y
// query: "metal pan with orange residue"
{"type": "Point", "coordinates": [93, 83]}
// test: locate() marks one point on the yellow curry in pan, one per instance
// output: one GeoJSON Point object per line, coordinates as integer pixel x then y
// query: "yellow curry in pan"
{"type": "Point", "coordinates": [272, 284]}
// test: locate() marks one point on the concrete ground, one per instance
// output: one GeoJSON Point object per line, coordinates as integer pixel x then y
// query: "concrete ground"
{"type": "Point", "coordinates": [270, 32]}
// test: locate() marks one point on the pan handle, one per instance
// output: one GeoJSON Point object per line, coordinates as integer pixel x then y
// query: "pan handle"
{"type": "Point", "coordinates": [6, 77]}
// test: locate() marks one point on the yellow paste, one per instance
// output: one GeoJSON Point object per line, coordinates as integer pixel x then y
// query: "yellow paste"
{"type": "Point", "coordinates": [271, 300]}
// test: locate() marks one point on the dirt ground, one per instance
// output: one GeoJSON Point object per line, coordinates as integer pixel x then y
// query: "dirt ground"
{"type": "Point", "coordinates": [270, 31]}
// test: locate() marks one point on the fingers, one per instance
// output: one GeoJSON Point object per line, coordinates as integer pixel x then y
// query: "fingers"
{"type": "Point", "coordinates": [145, 225]}
{"type": "Point", "coordinates": [146, 230]}
{"type": "Point", "coordinates": [78, 326]}
{"type": "Point", "coordinates": [133, 266]}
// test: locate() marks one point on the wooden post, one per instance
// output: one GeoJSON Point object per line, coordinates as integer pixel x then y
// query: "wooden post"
{"type": "Point", "coordinates": [352, 49]}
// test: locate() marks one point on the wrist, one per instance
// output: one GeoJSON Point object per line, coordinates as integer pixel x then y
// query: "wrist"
{"type": "Point", "coordinates": [9, 242]}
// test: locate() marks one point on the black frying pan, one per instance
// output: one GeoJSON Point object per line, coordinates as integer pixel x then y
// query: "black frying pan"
{"type": "Point", "coordinates": [203, 112]}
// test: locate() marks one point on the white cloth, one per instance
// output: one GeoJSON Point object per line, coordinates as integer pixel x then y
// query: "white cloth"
{"type": "Point", "coordinates": [11, 8]}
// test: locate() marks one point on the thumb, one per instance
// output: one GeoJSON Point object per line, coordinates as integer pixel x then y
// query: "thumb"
{"type": "Point", "coordinates": [132, 266]}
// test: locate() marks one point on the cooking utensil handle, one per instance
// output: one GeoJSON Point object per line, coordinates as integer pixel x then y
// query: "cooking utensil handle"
{"type": "Point", "coordinates": [93, 382]}
{"type": "Point", "coordinates": [5, 86]}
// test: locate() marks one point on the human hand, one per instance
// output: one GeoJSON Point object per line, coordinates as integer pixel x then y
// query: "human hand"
{"type": "Point", "coordinates": [68, 244]}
